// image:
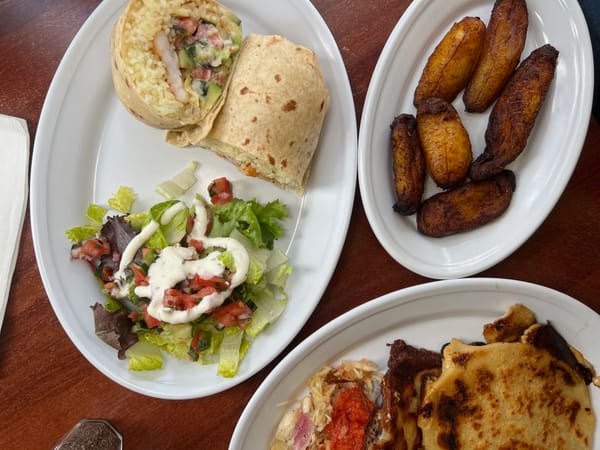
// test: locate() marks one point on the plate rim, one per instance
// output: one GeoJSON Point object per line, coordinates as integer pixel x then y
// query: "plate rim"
{"type": "Point", "coordinates": [42, 152]}
{"type": "Point", "coordinates": [392, 300]}
{"type": "Point", "coordinates": [474, 265]}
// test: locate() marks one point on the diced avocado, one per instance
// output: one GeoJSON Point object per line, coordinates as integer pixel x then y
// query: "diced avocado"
{"type": "Point", "coordinates": [185, 62]}
{"type": "Point", "coordinates": [213, 93]}
{"type": "Point", "coordinates": [221, 55]}
{"type": "Point", "coordinates": [237, 37]}
{"type": "Point", "coordinates": [235, 19]}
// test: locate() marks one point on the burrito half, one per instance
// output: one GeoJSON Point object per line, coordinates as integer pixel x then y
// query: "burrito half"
{"type": "Point", "coordinates": [172, 60]}
{"type": "Point", "coordinates": [273, 114]}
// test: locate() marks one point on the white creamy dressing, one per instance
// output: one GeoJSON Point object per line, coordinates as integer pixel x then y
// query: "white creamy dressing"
{"type": "Point", "coordinates": [134, 245]}
{"type": "Point", "coordinates": [138, 241]}
{"type": "Point", "coordinates": [171, 212]}
{"type": "Point", "coordinates": [176, 263]}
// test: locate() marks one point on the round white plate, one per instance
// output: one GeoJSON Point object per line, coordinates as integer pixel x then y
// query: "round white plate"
{"type": "Point", "coordinates": [88, 145]}
{"type": "Point", "coordinates": [424, 316]}
{"type": "Point", "coordinates": [542, 171]}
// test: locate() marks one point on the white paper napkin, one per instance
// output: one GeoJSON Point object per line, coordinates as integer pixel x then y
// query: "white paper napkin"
{"type": "Point", "coordinates": [14, 183]}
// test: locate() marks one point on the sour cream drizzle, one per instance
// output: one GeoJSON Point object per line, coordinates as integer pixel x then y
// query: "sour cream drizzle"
{"type": "Point", "coordinates": [171, 212]}
{"type": "Point", "coordinates": [176, 263]}
{"type": "Point", "coordinates": [136, 243]}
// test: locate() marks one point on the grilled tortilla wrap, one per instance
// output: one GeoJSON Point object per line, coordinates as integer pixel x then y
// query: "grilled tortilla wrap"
{"type": "Point", "coordinates": [172, 60]}
{"type": "Point", "coordinates": [270, 123]}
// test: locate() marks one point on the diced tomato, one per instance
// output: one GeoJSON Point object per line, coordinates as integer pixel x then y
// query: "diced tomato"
{"type": "Point", "coordinates": [140, 278]}
{"type": "Point", "coordinates": [105, 274]}
{"type": "Point", "coordinates": [201, 73]}
{"type": "Point", "coordinates": [220, 191]}
{"type": "Point", "coordinates": [205, 292]}
{"type": "Point", "coordinates": [200, 342]}
{"type": "Point", "coordinates": [198, 245]}
{"type": "Point", "coordinates": [178, 300]}
{"type": "Point", "coordinates": [217, 283]}
{"type": "Point", "coordinates": [237, 313]}
{"type": "Point", "coordinates": [351, 412]}
{"type": "Point", "coordinates": [190, 224]}
{"type": "Point", "coordinates": [91, 249]}
{"type": "Point", "coordinates": [150, 320]}
{"type": "Point", "coordinates": [174, 298]}
{"type": "Point", "coordinates": [202, 31]}
{"type": "Point", "coordinates": [196, 339]}
{"type": "Point", "coordinates": [189, 24]}
{"type": "Point", "coordinates": [221, 198]}
{"type": "Point", "coordinates": [215, 40]}
{"type": "Point", "coordinates": [220, 77]}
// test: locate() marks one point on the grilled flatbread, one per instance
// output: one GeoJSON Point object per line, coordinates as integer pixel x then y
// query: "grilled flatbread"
{"type": "Point", "coordinates": [270, 123]}
{"type": "Point", "coordinates": [505, 395]}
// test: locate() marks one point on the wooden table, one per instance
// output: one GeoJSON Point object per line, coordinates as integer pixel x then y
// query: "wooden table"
{"type": "Point", "coordinates": [46, 385]}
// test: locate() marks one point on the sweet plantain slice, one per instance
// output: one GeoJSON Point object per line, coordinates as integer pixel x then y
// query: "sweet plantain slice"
{"type": "Point", "coordinates": [408, 164]}
{"type": "Point", "coordinates": [513, 116]}
{"type": "Point", "coordinates": [452, 62]}
{"type": "Point", "coordinates": [504, 41]}
{"type": "Point", "coordinates": [466, 207]}
{"type": "Point", "coordinates": [445, 142]}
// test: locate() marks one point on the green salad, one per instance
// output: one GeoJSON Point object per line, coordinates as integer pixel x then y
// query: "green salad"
{"type": "Point", "coordinates": [197, 282]}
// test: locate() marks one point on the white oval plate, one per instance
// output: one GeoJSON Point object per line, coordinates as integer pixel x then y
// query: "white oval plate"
{"type": "Point", "coordinates": [426, 316]}
{"type": "Point", "coordinates": [542, 171]}
{"type": "Point", "coordinates": [88, 145]}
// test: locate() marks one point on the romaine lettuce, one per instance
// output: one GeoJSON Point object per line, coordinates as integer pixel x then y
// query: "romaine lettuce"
{"type": "Point", "coordinates": [171, 232]}
{"type": "Point", "coordinates": [257, 222]}
{"type": "Point", "coordinates": [144, 356]}
{"type": "Point", "coordinates": [122, 200]}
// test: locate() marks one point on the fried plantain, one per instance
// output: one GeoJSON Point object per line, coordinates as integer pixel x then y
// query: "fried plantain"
{"type": "Point", "coordinates": [445, 142]}
{"type": "Point", "coordinates": [513, 116]}
{"type": "Point", "coordinates": [504, 42]}
{"type": "Point", "coordinates": [466, 207]}
{"type": "Point", "coordinates": [452, 62]}
{"type": "Point", "coordinates": [408, 164]}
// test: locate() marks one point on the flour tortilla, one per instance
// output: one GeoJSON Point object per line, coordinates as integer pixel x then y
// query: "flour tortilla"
{"type": "Point", "coordinates": [505, 395]}
{"type": "Point", "coordinates": [139, 76]}
{"type": "Point", "coordinates": [273, 114]}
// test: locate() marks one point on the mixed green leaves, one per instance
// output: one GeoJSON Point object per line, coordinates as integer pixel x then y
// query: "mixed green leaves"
{"type": "Point", "coordinates": [121, 321]}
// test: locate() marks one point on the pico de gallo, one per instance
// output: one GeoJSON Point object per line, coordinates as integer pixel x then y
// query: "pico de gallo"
{"type": "Point", "coordinates": [198, 282]}
{"type": "Point", "coordinates": [198, 58]}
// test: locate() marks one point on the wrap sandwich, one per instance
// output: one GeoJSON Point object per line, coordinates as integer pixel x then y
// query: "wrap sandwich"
{"type": "Point", "coordinates": [270, 123]}
{"type": "Point", "coordinates": [172, 60]}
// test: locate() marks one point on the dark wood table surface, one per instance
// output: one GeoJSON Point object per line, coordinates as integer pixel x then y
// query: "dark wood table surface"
{"type": "Point", "coordinates": [46, 385]}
